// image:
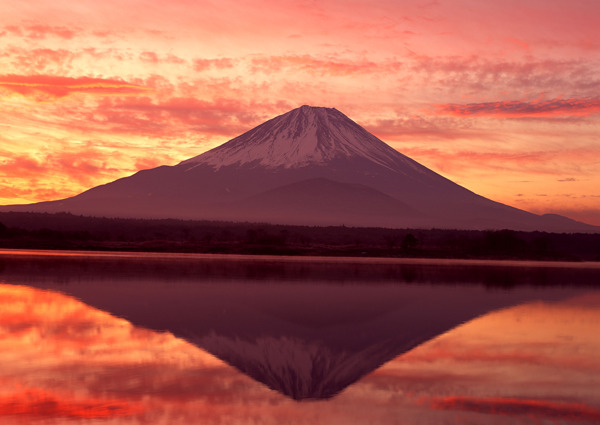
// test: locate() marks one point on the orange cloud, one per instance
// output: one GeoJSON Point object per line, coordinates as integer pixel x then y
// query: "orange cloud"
{"type": "Point", "coordinates": [519, 109]}
{"type": "Point", "coordinates": [549, 162]}
{"type": "Point", "coordinates": [57, 87]}
{"type": "Point", "coordinates": [81, 165]}
{"type": "Point", "coordinates": [74, 168]}
{"type": "Point", "coordinates": [518, 407]}
{"type": "Point", "coordinates": [15, 194]}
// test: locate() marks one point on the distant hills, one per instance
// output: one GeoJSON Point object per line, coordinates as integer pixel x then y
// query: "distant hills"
{"type": "Point", "coordinates": [309, 166]}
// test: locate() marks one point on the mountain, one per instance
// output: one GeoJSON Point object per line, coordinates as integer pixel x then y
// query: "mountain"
{"type": "Point", "coordinates": [311, 165]}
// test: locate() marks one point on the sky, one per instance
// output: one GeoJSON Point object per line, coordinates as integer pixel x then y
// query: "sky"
{"type": "Point", "coordinates": [500, 97]}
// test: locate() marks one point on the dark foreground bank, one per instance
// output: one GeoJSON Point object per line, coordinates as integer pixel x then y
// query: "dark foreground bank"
{"type": "Point", "coordinates": [67, 231]}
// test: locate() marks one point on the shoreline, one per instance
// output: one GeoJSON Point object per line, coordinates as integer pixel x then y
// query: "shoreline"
{"type": "Point", "coordinates": [26, 252]}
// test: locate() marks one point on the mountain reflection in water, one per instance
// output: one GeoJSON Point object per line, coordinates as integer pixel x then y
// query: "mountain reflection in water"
{"type": "Point", "coordinates": [86, 336]}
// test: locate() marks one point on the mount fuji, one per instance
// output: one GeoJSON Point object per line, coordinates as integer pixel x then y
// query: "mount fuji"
{"type": "Point", "coordinates": [309, 166]}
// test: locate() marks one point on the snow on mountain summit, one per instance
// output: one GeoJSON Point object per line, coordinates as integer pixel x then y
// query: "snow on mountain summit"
{"type": "Point", "coordinates": [303, 136]}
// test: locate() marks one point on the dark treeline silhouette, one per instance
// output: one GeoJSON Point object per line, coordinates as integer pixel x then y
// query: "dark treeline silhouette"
{"type": "Point", "coordinates": [67, 231]}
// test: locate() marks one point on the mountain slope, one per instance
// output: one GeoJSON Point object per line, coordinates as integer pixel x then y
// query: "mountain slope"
{"type": "Point", "coordinates": [262, 174]}
{"type": "Point", "coordinates": [304, 136]}
{"type": "Point", "coordinates": [322, 201]}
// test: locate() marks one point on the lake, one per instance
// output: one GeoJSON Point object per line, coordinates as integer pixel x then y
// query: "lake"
{"type": "Point", "coordinates": [130, 338]}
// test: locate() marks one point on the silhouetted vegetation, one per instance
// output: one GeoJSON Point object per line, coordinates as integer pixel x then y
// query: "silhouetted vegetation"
{"type": "Point", "coordinates": [66, 231]}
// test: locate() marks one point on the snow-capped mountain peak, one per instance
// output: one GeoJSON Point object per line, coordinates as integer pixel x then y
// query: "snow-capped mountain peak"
{"type": "Point", "coordinates": [303, 136]}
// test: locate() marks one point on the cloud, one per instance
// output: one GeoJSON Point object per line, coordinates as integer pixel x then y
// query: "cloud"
{"type": "Point", "coordinates": [416, 127]}
{"type": "Point", "coordinates": [218, 63]}
{"type": "Point", "coordinates": [221, 116]}
{"type": "Point", "coordinates": [23, 193]}
{"type": "Point", "coordinates": [79, 164]}
{"type": "Point", "coordinates": [60, 61]}
{"type": "Point", "coordinates": [81, 354]}
{"type": "Point", "coordinates": [73, 167]}
{"type": "Point", "coordinates": [146, 163]}
{"type": "Point", "coordinates": [518, 407]}
{"type": "Point", "coordinates": [41, 404]}
{"type": "Point", "coordinates": [42, 31]}
{"type": "Point", "coordinates": [57, 87]}
{"type": "Point", "coordinates": [309, 63]}
{"type": "Point", "coordinates": [155, 59]}
{"type": "Point", "coordinates": [519, 109]}
{"type": "Point", "coordinates": [472, 75]}
{"type": "Point", "coordinates": [464, 161]}
{"type": "Point", "coordinates": [151, 57]}
{"type": "Point", "coordinates": [40, 59]}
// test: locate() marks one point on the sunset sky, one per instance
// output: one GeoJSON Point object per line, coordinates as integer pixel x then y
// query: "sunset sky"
{"type": "Point", "coordinates": [501, 97]}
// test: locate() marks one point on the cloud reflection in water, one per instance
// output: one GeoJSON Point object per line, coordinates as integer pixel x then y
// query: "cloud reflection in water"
{"type": "Point", "coordinates": [62, 360]}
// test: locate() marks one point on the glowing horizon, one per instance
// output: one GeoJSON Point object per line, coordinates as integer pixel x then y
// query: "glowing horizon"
{"type": "Point", "coordinates": [501, 98]}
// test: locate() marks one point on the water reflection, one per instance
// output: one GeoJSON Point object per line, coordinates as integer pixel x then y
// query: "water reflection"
{"type": "Point", "coordinates": [95, 347]}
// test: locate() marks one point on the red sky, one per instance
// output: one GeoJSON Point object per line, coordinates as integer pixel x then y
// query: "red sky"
{"type": "Point", "coordinates": [501, 97]}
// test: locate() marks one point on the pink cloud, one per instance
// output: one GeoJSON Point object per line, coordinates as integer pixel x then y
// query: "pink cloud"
{"type": "Point", "coordinates": [155, 59]}
{"type": "Point", "coordinates": [174, 59]}
{"type": "Point", "coordinates": [219, 63]}
{"type": "Point", "coordinates": [151, 57]}
{"type": "Point", "coordinates": [37, 31]}
{"type": "Point", "coordinates": [472, 75]}
{"type": "Point", "coordinates": [518, 109]}
{"type": "Point", "coordinates": [518, 43]}
{"type": "Point", "coordinates": [518, 407]}
{"type": "Point", "coordinates": [417, 126]}
{"type": "Point", "coordinates": [41, 59]}
{"type": "Point", "coordinates": [222, 116]}
{"type": "Point", "coordinates": [309, 63]}
{"type": "Point", "coordinates": [52, 61]}
{"type": "Point", "coordinates": [13, 29]}
{"type": "Point", "coordinates": [56, 87]}
{"type": "Point", "coordinates": [40, 31]}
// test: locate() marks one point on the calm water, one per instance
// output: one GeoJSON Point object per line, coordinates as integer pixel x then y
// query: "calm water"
{"type": "Point", "coordinates": [191, 339]}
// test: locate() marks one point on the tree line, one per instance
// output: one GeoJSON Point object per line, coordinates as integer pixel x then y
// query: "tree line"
{"type": "Point", "coordinates": [67, 231]}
